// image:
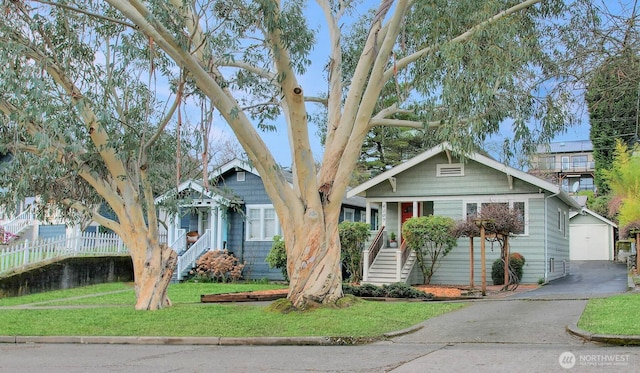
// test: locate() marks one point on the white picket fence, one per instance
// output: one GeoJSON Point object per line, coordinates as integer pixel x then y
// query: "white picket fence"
{"type": "Point", "coordinates": [26, 254]}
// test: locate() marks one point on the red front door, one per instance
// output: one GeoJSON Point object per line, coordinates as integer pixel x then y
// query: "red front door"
{"type": "Point", "coordinates": [407, 211]}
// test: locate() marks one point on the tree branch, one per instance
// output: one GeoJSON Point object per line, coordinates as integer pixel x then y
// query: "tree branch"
{"type": "Point", "coordinates": [387, 122]}
{"type": "Point", "coordinates": [406, 61]}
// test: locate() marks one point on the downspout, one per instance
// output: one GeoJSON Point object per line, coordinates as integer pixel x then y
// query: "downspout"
{"type": "Point", "coordinates": [546, 236]}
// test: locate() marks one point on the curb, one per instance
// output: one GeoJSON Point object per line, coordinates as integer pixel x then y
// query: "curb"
{"type": "Point", "coordinates": [212, 341]}
{"type": "Point", "coordinates": [622, 340]}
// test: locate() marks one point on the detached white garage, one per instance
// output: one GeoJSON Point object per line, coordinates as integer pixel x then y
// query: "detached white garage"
{"type": "Point", "coordinates": [592, 236]}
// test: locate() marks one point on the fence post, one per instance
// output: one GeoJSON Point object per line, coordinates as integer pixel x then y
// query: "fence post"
{"type": "Point", "coordinates": [25, 257]}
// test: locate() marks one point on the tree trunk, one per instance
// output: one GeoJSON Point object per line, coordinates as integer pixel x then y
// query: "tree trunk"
{"type": "Point", "coordinates": [313, 263]}
{"type": "Point", "coordinates": [153, 267]}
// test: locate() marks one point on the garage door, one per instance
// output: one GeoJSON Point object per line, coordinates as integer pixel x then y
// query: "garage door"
{"type": "Point", "coordinates": [589, 242]}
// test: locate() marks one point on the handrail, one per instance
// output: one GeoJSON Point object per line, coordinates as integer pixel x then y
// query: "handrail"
{"type": "Point", "coordinates": [179, 245]}
{"type": "Point", "coordinates": [15, 225]}
{"type": "Point", "coordinates": [188, 259]}
{"type": "Point", "coordinates": [405, 253]}
{"type": "Point", "coordinates": [375, 246]}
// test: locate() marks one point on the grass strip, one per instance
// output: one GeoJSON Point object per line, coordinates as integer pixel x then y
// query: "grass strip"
{"type": "Point", "coordinates": [613, 315]}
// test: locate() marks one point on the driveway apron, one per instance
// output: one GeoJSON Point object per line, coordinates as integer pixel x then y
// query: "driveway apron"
{"type": "Point", "coordinates": [536, 317]}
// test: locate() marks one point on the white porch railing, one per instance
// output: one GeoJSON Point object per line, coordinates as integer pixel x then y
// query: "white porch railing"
{"type": "Point", "coordinates": [16, 224]}
{"type": "Point", "coordinates": [180, 244]}
{"type": "Point", "coordinates": [87, 244]}
{"type": "Point", "coordinates": [187, 260]}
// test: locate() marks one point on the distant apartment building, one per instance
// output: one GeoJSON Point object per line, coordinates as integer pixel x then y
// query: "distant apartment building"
{"type": "Point", "coordinates": [568, 164]}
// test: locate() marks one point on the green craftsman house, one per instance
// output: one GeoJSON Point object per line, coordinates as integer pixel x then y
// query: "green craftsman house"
{"type": "Point", "coordinates": [437, 182]}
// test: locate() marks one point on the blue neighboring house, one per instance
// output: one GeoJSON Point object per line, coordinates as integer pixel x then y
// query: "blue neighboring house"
{"type": "Point", "coordinates": [235, 214]}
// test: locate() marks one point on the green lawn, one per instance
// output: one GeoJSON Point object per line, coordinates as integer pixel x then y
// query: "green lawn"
{"type": "Point", "coordinates": [115, 315]}
{"type": "Point", "coordinates": [613, 315]}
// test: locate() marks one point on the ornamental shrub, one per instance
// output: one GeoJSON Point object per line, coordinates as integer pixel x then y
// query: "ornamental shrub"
{"type": "Point", "coordinates": [353, 236]}
{"type": "Point", "coordinates": [277, 257]}
{"type": "Point", "coordinates": [431, 238]}
{"type": "Point", "coordinates": [516, 263]}
{"type": "Point", "coordinates": [395, 290]}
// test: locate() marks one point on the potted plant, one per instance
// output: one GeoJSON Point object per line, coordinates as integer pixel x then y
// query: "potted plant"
{"type": "Point", "coordinates": [392, 240]}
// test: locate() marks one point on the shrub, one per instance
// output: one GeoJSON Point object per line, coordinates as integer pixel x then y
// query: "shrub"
{"type": "Point", "coordinates": [402, 290]}
{"type": "Point", "coordinates": [395, 290]}
{"type": "Point", "coordinates": [516, 263]}
{"type": "Point", "coordinates": [277, 257]}
{"type": "Point", "coordinates": [353, 236]}
{"type": "Point", "coordinates": [432, 238]}
{"type": "Point", "coordinates": [218, 266]}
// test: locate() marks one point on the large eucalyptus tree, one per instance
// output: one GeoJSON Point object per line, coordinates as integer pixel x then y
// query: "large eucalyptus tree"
{"type": "Point", "coordinates": [79, 114]}
{"type": "Point", "coordinates": [463, 66]}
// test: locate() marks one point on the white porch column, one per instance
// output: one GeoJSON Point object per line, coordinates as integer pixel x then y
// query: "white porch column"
{"type": "Point", "coordinates": [365, 266]}
{"type": "Point", "coordinates": [383, 214]}
{"type": "Point", "coordinates": [415, 209]}
{"type": "Point", "coordinates": [368, 213]}
{"type": "Point", "coordinates": [219, 233]}
{"type": "Point", "coordinates": [213, 226]}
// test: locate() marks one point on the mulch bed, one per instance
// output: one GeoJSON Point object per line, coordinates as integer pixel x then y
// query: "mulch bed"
{"type": "Point", "coordinates": [440, 292]}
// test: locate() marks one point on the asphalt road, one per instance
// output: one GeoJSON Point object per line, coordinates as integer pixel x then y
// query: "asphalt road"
{"type": "Point", "coordinates": [507, 335]}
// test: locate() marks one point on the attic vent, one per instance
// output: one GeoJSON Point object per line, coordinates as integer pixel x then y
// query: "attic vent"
{"type": "Point", "coordinates": [240, 176]}
{"type": "Point", "coordinates": [453, 169]}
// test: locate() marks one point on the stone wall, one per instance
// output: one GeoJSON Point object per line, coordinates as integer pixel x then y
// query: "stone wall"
{"type": "Point", "coordinates": [68, 273]}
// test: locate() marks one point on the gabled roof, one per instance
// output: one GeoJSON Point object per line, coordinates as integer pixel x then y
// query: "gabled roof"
{"type": "Point", "coordinates": [213, 192]}
{"type": "Point", "coordinates": [586, 211]}
{"type": "Point", "coordinates": [489, 162]}
{"type": "Point", "coordinates": [235, 164]}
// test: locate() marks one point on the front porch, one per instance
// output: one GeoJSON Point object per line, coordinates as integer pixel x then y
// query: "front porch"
{"type": "Point", "coordinates": [383, 265]}
{"type": "Point", "coordinates": [383, 262]}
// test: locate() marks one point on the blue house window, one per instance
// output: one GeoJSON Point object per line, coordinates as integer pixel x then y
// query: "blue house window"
{"type": "Point", "coordinates": [262, 223]}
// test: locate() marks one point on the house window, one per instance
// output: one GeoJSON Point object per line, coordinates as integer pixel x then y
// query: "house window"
{"type": "Point", "coordinates": [586, 183]}
{"type": "Point", "coordinates": [447, 170]}
{"type": "Point", "coordinates": [262, 223]}
{"type": "Point", "coordinates": [349, 215]}
{"type": "Point", "coordinates": [547, 163]}
{"type": "Point", "coordinates": [579, 162]}
{"type": "Point", "coordinates": [474, 208]}
{"type": "Point", "coordinates": [565, 163]}
{"type": "Point", "coordinates": [241, 176]}
{"type": "Point", "coordinates": [559, 220]}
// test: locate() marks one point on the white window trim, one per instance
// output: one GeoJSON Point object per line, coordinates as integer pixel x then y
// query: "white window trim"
{"type": "Point", "coordinates": [348, 210]}
{"type": "Point", "coordinates": [262, 209]}
{"type": "Point", "coordinates": [510, 201]}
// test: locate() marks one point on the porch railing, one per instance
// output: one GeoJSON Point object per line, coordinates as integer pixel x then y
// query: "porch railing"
{"type": "Point", "coordinates": [369, 255]}
{"type": "Point", "coordinates": [15, 225]}
{"type": "Point", "coordinates": [405, 252]}
{"type": "Point", "coordinates": [188, 259]}
{"type": "Point", "coordinates": [180, 243]}
{"type": "Point", "coordinates": [25, 254]}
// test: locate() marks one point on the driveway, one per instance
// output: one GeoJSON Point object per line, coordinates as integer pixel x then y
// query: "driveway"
{"type": "Point", "coordinates": [586, 279]}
